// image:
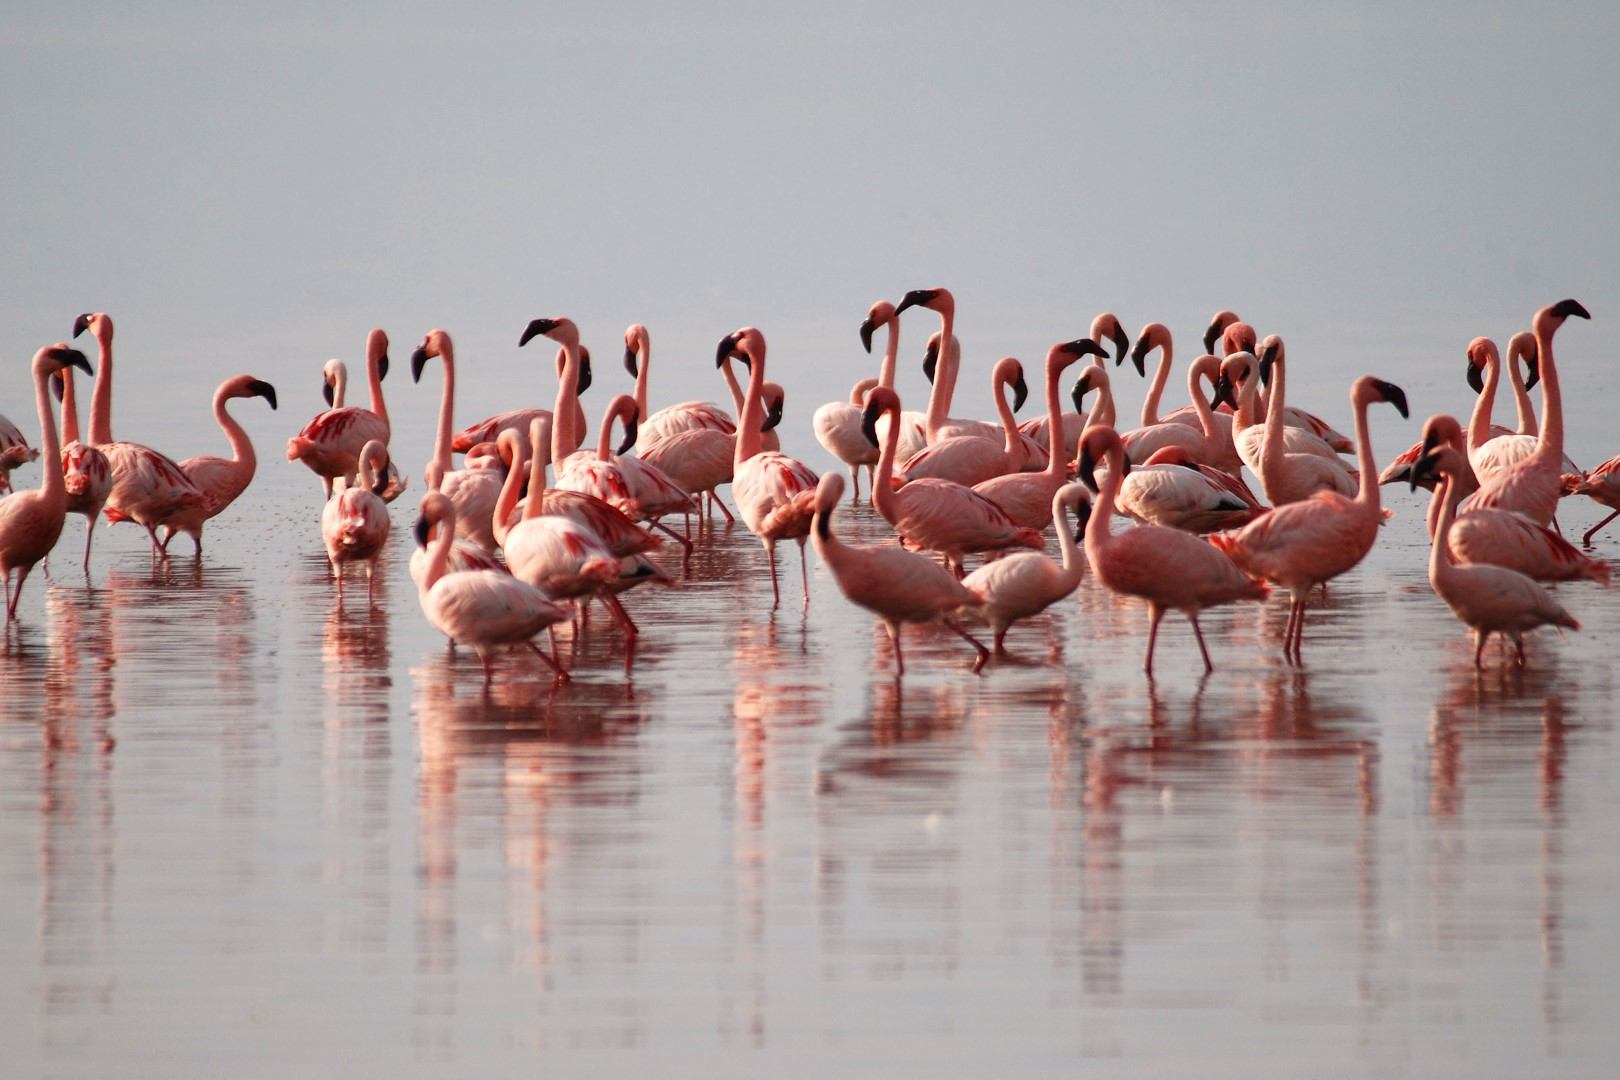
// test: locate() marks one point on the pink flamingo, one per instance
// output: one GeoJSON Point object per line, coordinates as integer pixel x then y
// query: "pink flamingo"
{"type": "Point", "coordinates": [1491, 447]}
{"type": "Point", "coordinates": [1303, 544]}
{"type": "Point", "coordinates": [1502, 538]}
{"type": "Point", "coordinates": [1026, 583]}
{"type": "Point", "coordinates": [1235, 337]}
{"type": "Point", "coordinates": [1602, 486]}
{"type": "Point", "coordinates": [489, 429]}
{"type": "Point", "coordinates": [1489, 599]}
{"type": "Point", "coordinates": [914, 429]}
{"type": "Point", "coordinates": [148, 488]}
{"type": "Point", "coordinates": [481, 608]}
{"type": "Point", "coordinates": [472, 491]}
{"type": "Point", "coordinates": [1289, 477]}
{"type": "Point", "coordinates": [1207, 444]}
{"type": "Point", "coordinates": [1094, 377]}
{"type": "Point", "coordinates": [1105, 325]}
{"type": "Point", "coordinates": [1240, 381]}
{"type": "Point", "coordinates": [970, 459]}
{"type": "Point", "coordinates": [671, 419]}
{"type": "Point", "coordinates": [1173, 490]}
{"type": "Point", "coordinates": [354, 526]}
{"type": "Point", "coordinates": [941, 364]}
{"type": "Point", "coordinates": [334, 387]}
{"type": "Point", "coordinates": [937, 515]}
{"type": "Point", "coordinates": [837, 427]}
{"type": "Point", "coordinates": [640, 490]}
{"type": "Point", "coordinates": [1166, 567]}
{"type": "Point", "coordinates": [1241, 340]}
{"type": "Point", "coordinates": [86, 472]}
{"type": "Point", "coordinates": [330, 444]}
{"type": "Point", "coordinates": [1533, 486]}
{"type": "Point", "coordinates": [31, 521]}
{"type": "Point", "coordinates": [14, 451]}
{"type": "Point", "coordinates": [697, 461]}
{"type": "Point", "coordinates": [223, 479]}
{"type": "Point", "coordinates": [774, 493]}
{"type": "Point", "coordinates": [1438, 430]}
{"type": "Point", "coordinates": [1157, 336]}
{"type": "Point", "coordinates": [896, 585]}
{"type": "Point", "coordinates": [1027, 496]}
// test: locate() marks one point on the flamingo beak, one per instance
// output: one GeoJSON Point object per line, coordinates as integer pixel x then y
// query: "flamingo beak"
{"type": "Point", "coordinates": [629, 435]}
{"type": "Point", "coordinates": [1020, 392]}
{"type": "Point", "coordinates": [419, 360]}
{"type": "Point", "coordinates": [57, 379]}
{"type": "Point", "coordinates": [1532, 364]}
{"type": "Point", "coordinates": [866, 334]}
{"type": "Point", "coordinates": [535, 329]}
{"type": "Point", "coordinates": [326, 392]}
{"type": "Point", "coordinates": [81, 324]}
{"type": "Point", "coordinates": [773, 415]}
{"type": "Point", "coordinates": [260, 388]}
{"type": "Point", "coordinates": [1223, 392]}
{"type": "Point", "coordinates": [1395, 396]}
{"type": "Point", "coordinates": [1078, 395]}
{"type": "Point", "coordinates": [1212, 334]}
{"type": "Point", "coordinates": [71, 358]}
{"type": "Point", "coordinates": [421, 531]}
{"type": "Point", "coordinates": [1122, 344]}
{"type": "Point", "coordinates": [1082, 515]}
{"type": "Point", "coordinates": [931, 363]}
{"type": "Point", "coordinates": [1138, 357]}
{"type": "Point", "coordinates": [916, 298]}
{"type": "Point", "coordinates": [1402, 473]}
{"type": "Point", "coordinates": [1087, 468]}
{"type": "Point", "coordinates": [380, 485]}
{"type": "Point", "coordinates": [1565, 308]}
{"type": "Point", "coordinates": [631, 362]}
{"type": "Point", "coordinates": [725, 350]}
{"type": "Point", "coordinates": [1475, 380]}
{"type": "Point", "coordinates": [1084, 347]}
{"type": "Point", "coordinates": [869, 423]}
{"type": "Point", "coordinates": [1267, 358]}
{"type": "Point", "coordinates": [382, 367]}
{"type": "Point", "coordinates": [584, 382]}
{"type": "Point", "coordinates": [1424, 470]}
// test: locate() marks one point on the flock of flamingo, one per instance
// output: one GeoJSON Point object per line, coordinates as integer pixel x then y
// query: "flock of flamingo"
{"type": "Point", "coordinates": [504, 553]}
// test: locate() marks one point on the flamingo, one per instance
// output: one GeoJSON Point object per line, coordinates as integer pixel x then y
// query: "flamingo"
{"type": "Point", "coordinates": [941, 363]}
{"type": "Point", "coordinates": [481, 608]}
{"type": "Point", "coordinates": [354, 526]}
{"type": "Point", "coordinates": [1094, 377]}
{"type": "Point", "coordinates": [334, 388]}
{"type": "Point", "coordinates": [1302, 544]}
{"type": "Point", "coordinates": [489, 429]}
{"type": "Point", "coordinates": [1533, 486]}
{"type": "Point", "coordinates": [914, 430]}
{"type": "Point", "coordinates": [1104, 325]}
{"type": "Point", "coordinates": [1166, 567]}
{"type": "Point", "coordinates": [1601, 485]}
{"type": "Point", "coordinates": [1438, 430]}
{"type": "Point", "coordinates": [638, 489]}
{"type": "Point", "coordinates": [1240, 340]}
{"type": "Point", "coordinates": [896, 585]}
{"type": "Point", "coordinates": [14, 451]}
{"type": "Point", "coordinates": [1489, 599]}
{"type": "Point", "coordinates": [937, 515]}
{"type": "Point", "coordinates": [1027, 496]}
{"type": "Point", "coordinates": [1502, 538]}
{"type": "Point", "coordinates": [86, 472]}
{"type": "Point", "coordinates": [31, 521]}
{"type": "Point", "coordinates": [654, 427]}
{"type": "Point", "coordinates": [837, 427]}
{"type": "Point", "coordinates": [1236, 336]}
{"type": "Point", "coordinates": [1157, 336]}
{"type": "Point", "coordinates": [969, 459]}
{"type": "Point", "coordinates": [1173, 490]}
{"type": "Point", "coordinates": [1026, 583]}
{"type": "Point", "coordinates": [472, 491]}
{"type": "Point", "coordinates": [1207, 444]}
{"type": "Point", "coordinates": [147, 487]}
{"type": "Point", "coordinates": [1491, 447]}
{"type": "Point", "coordinates": [1288, 477]}
{"type": "Point", "coordinates": [1239, 383]}
{"type": "Point", "coordinates": [696, 461]}
{"type": "Point", "coordinates": [330, 444]}
{"type": "Point", "coordinates": [223, 479]}
{"type": "Point", "coordinates": [775, 494]}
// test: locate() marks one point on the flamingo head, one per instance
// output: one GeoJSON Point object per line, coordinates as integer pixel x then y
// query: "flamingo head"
{"type": "Point", "coordinates": [259, 388]}
{"type": "Point", "coordinates": [1271, 351]}
{"type": "Point", "coordinates": [1009, 372]}
{"type": "Point", "coordinates": [636, 341]}
{"type": "Point", "coordinates": [881, 314]}
{"type": "Point", "coordinates": [1107, 326]}
{"type": "Point", "coordinates": [939, 300]}
{"type": "Point", "coordinates": [1096, 444]}
{"type": "Point", "coordinates": [1238, 337]}
{"type": "Point", "coordinates": [1522, 346]}
{"type": "Point", "coordinates": [775, 402]}
{"type": "Point", "coordinates": [829, 492]}
{"type": "Point", "coordinates": [879, 400]}
{"type": "Point", "coordinates": [561, 330]}
{"type": "Point", "coordinates": [1481, 353]}
{"type": "Point", "coordinates": [377, 352]}
{"type": "Point", "coordinates": [436, 343]}
{"type": "Point", "coordinates": [1217, 326]}
{"type": "Point", "coordinates": [1436, 461]}
{"type": "Point", "coordinates": [1551, 317]}
{"type": "Point", "coordinates": [629, 417]}
{"type": "Point", "coordinates": [583, 383]}
{"type": "Point", "coordinates": [434, 508]}
{"type": "Point", "coordinates": [1234, 370]}
{"type": "Point", "coordinates": [741, 345]}
{"type": "Point", "coordinates": [333, 374]}
{"type": "Point", "coordinates": [930, 364]}
{"type": "Point", "coordinates": [56, 358]}
{"type": "Point", "coordinates": [1094, 377]}
{"type": "Point", "coordinates": [1153, 336]}
{"type": "Point", "coordinates": [1379, 390]}
{"type": "Point", "coordinates": [1073, 497]}
{"type": "Point", "coordinates": [98, 323]}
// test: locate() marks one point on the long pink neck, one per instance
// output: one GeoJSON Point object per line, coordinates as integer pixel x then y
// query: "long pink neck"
{"type": "Point", "coordinates": [374, 374]}
{"type": "Point", "coordinates": [1009, 425]}
{"type": "Point", "coordinates": [751, 415]}
{"type": "Point", "coordinates": [939, 398]}
{"type": "Point", "coordinates": [447, 409]}
{"type": "Point", "coordinates": [70, 408]}
{"type": "Point", "coordinates": [1449, 492]}
{"type": "Point", "coordinates": [439, 554]}
{"type": "Point", "coordinates": [1521, 396]}
{"type": "Point", "coordinates": [563, 437]}
{"type": "Point", "coordinates": [1161, 375]}
{"type": "Point", "coordinates": [52, 484]}
{"type": "Point", "coordinates": [241, 445]}
{"type": "Point", "coordinates": [644, 361]}
{"type": "Point", "coordinates": [511, 487]}
{"type": "Point", "coordinates": [1100, 529]}
{"type": "Point", "coordinates": [101, 396]}
{"type": "Point", "coordinates": [1055, 460]}
{"type": "Point", "coordinates": [883, 481]}
{"type": "Point", "coordinates": [604, 441]}
{"type": "Point", "coordinates": [1074, 562]}
{"type": "Point", "coordinates": [1479, 422]}
{"type": "Point", "coordinates": [1200, 403]}
{"type": "Point", "coordinates": [730, 377]}
{"type": "Point", "coordinates": [891, 352]}
{"type": "Point", "coordinates": [1271, 450]}
{"type": "Point", "coordinates": [1367, 494]}
{"type": "Point", "coordinates": [538, 460]}
{"type": "Point", "coordinates": [1551, 447]}
{"type": "Point", "coordinates": [1248, 402]}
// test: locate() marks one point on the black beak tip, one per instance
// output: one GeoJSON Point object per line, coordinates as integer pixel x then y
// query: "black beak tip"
{"type": "Point", "coordinates": [419, 360]}
{"type": "Point", "coordinates": [421, 531]}
{"type": "Point", "coordinates": [382, 368]}
{"type": "Point", "coordinates": [326, 392]}
{"type": "Point", "coordinates": [866, 335]}
{"type": "Point", "coordinates": [869, 426]}
{"type": "Point", "coordinates": [1020, 392]}
{"type": "Point", "coordinates": [1087, 469]}
{"type": "Point", "coordinates": [57, 384]}
{"type": "Point", "coordinates": [1476, 381]}
{"type": "Point", "coordinates": [723, 351]}
{"type": "Point", "coordinates": [632, 363]}
{"type": "Point", "coordinates": [536, 328]}
{"type": "Point", "coordinates": [1565, 308]}
{"type": "Point", "coordinates": [263, 389]}
{"type": "Point", "coordinates": [81, 324]}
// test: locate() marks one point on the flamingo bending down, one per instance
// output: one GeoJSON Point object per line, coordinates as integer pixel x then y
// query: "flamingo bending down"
{"type": "Point", "coordinates": [14, 451]}
{"type": "Point", "coordinates": [354, 526]}
{"type": "Point", "coordinates": [655, 427]}
{"type": "Point", "coordinates": [937, 515]}
{"type": "Point", "coordinates": [472, 491]}
{"type": "Point", "coordinates": [86, 473]}
{"type": "Point", "coordinates": [775, 494]}
{"type": "Point", "coordinates": [147, 487]}
{"type": "Point", "coordinates": [1026, 583]}
{"type": "Point", "coordinates": [481, 608]}
{"type": "Point", "coordinates": [1173, 490]}
{"type": "Point", "coordinates": [1533, 486]}
{"type": "Point", "coordinates": [971, 459]}
{"type": "Point", "coordinates": [489, 429]}
{"type": "Point", "coordinates": [1502, 538]}
{"type": "Point", "coordinates": [1489, 599]}
{"type": "Point", "coordinates": [1104, 325]}
{"type": "Point", "coordinates": [330, 444]}
{"type": "Point", "coordinates": [224, 479]}
{"type": "Point", "coordinates": [1303, 544]}
{"type": "Point", "coordinates": [31, 521]}
{"type": "Point", "coordinates": [896, 585]}
{"type": "Point", "coordinates": [1027, 496]}
{"type": "Point", "coordinates": [334, 388]}
{"type": "Point", "coordinates": [1166, 567]}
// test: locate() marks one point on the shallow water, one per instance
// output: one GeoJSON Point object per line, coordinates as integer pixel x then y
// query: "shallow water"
{"type": "Point", "coordinates": [246, 830]}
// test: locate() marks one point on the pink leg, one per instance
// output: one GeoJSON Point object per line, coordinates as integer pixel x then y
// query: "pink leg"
{"type": "Point", "coordinates": [894, 637]}
{"type": "Point", "coordinates": [621, 616]}
{"type": "Point", "coordinates": [1586, 541]}
{"type": "Point", "coordinates": [89, 535]}
{"type": "Point", "coordinates": [721, 503]}
{"type": "Point", "coordinates": [683, 541]}
{"type": "Point", "coordinates": [16, 594]}
{"type": "Point", "coordinates": [855, 482]}
{"type": "Point", "coordinates": [804, 573]}
{"type": "Point", "coordinates": [562, 676]}
{"type": "Point", "coordinates": [978, 646]}
{"type": "Point", "coordinates": [770, 557]}
{"type": "Point", "coordinates": [1001, 640]}
{"type": "Point", "coordinates": [1155, 615]}
{"type": "Point", "coordinates": [1480, 637]}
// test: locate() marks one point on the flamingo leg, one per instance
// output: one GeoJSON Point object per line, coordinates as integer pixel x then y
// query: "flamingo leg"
{"type": "Point", "coordinates": [804, 574]}
{"type": "Point", "coordinates": [855, 482]}
{"type": "Point", "coordinates": [894, 637]}
{"type": "Point", "coordinates": [683, 541]}
{"type": "Point", "coordinates": [157, 549]}
{"type": "Point", "coordinates": [978, 646]}
{"type": "Point", "coordinates": [721, 503]}
{"type": "Point", "coordinates": [770, 558]}
{"type": "Point", "coordinates": [621, 616]}
{"type": "Point", "coordinates": [1001, 639]}
{"type": "Point", "coordinates": [1480, 637]}
{"type": "Point", "coordinates": [1199, 634]}
{"type": "Point", "coordinates": [16, 594]}
{"type": "Point", "coordinates": [89, 535]}
{"type": "Point", "coordinates": [1586, 541]}
{"type": "Point", "coordinates": [562, 676]}
{"type": "Point", "coordinates": [1155, 615]}
{"type": "Point", "coordinates": [11, 609]}
{"type": "Point", "coordinates": [1518, 647]}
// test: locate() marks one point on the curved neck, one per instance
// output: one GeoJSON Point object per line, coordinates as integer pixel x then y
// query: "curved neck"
{"type": "Point", "coordinates": [101, 396]}
{"type": "Point", "coordinates": [511, 488]}
{"type": "Point", "coordinates": [1009, 424]}
{"type": "Point", "coordinates": [1055, 461]}
{"type": "Point", "coordinates": [1521, 396]}
{"type": "Point", "coordinates": [438, 554]}
{"type": "Point", "coordinates": [563, 437]}
{"type": "Point", "coordinates": [1479, 422]}
{"type": "Point", "coordinates": [1448, 493]}
{"type": "Point", "coordinates": [1161, 375]}
{"type": "Point", "coordinates": [604, 441]}
{"type": "Point", "coordinates": [70, 408]}
{"type": "Point", "coordinates": [241, 445]}
{"type": "Point", "coordinates": [1551, 446]}
{"type": "Point", "coordinates": [1200, 403]}
{"type": "Point", "coordinates": [891, 352]}
{"type": "Point", "coordinates": [643, 362]}
{"type": "Point", "coordinates": [538, 460]}
{"type": "Point", "coordinates": [447, 408]}
{"type": "Point", "coordinates": [1073, 559]}
{"type": "Point", "coordinates": [883, 480]}
{"type": "Point", "coordinates": [374, 375]}
{"type": "Point", "coordinates": [730, 376]}
{"type": "Point", "coordinates": [52, 483]}
{"type": "Point", "coordinates": [1273, 445]}
{"type": "Point", "coordinates": [939, 398]}
{"type": "Point", "coordinates": [751, 417]}
{"type": "Point", "coordinates": [340, 386]}
{"type": "Point", "coordinates": [1248, 409]}
{"type": "Point", "coordinates": [1367, 495]}
{"type": "Point", "coordinates": [1099, 530]}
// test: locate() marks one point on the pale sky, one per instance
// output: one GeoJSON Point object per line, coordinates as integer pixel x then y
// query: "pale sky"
{"type": "Point", "coordinates": [244, 196]}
